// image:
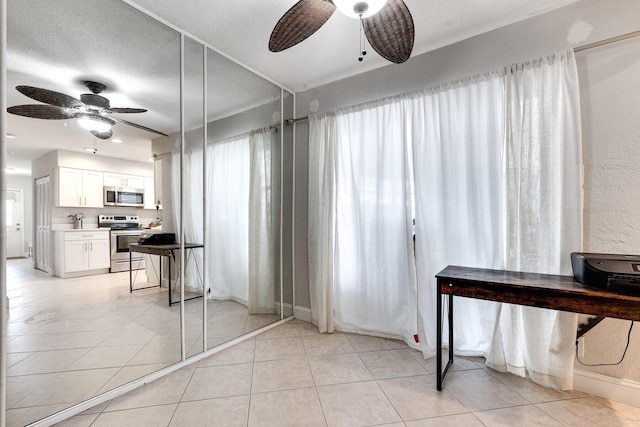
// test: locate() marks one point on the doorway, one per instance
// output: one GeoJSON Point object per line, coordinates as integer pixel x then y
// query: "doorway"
{"type": "Point", "coordinates": [15, 220]}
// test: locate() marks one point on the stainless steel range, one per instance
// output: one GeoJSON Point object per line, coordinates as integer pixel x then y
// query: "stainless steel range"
{"type": "Point", "coordinates": [124, 231]}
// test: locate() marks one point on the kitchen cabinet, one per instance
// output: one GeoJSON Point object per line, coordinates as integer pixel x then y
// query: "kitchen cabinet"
{"type": "Point", "coordinates": [120, 180]}
{"type": "Point", "coordinates": [149, 193]}
{"type": "Point", "coordinates": [81, 252]}
{"type": "Point", "coordinates": [79, 188]}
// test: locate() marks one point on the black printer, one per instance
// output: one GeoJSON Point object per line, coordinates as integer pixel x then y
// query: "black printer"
{"type": "Point", "coordinates": [156, 238]}
{"type": "Point", "coordinates": [612, 272]}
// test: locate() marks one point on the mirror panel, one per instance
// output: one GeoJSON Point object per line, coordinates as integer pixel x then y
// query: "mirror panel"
{"type": "Point", "coordinates": [86, 335]}
{"type": "Point", "coordinates": [193, 193]}
{"type": "Point", "coordinates": [76, 337]}
{"type": "Point", "coordinates": [243, 196]}
{"type": "Point", "coordinates": [288, 106]}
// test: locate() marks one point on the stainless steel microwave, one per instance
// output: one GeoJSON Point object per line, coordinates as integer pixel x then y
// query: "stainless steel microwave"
{"type": "Point", "coordinates": [123, 196]}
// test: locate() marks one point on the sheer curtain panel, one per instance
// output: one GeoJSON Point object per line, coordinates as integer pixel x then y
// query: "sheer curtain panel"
{"type": "Point", "coordinates": [543, 205]}
{"type": "Point", "coordinates": [457, 134]}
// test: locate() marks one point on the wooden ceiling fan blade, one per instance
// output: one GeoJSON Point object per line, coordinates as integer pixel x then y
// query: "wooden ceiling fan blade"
{"type": "Point", "coordinates": [300, 22]}
{"type": "Point", "coordinates": [135, 125]}
{"type": "Point", "coordinates": [102, 135]}
{"type": "Point", "coordinates": [391, 32]}
{"type": "Point", "coordinates": [50, 97]}
{"type": "Point", "coordinates": [38, 111]}
{"type": "Point", "coordinates": [127, 110]}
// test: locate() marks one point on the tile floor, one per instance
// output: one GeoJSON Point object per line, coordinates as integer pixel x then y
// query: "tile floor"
{"type": "Point", "coordinates": [71, 339]}
{"type": "Point", "coordinates": [293, 376]}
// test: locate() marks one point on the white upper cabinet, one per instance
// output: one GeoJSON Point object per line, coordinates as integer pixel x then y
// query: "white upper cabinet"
{"type": "Point", "coordinates": [80, 188]}
{"type": "Point", "coordinates": [120, 180]}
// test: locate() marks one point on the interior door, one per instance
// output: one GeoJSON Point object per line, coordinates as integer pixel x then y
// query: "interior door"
{"type": "Point", "coordinates": [42, 248]}
{"type": "Point", "coordinates": [15, 233]}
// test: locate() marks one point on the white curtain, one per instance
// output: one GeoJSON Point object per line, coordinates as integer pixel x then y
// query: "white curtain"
{"type": "Point", "coordinates": [323, 135]}
{"type": "Point", "coordinates": [362, 227]}
{"type": "Point", "coordinates": [496, 175]}
{"type": "Point", "coordinates": [543, 204]}
{"type": "Point", "coordinates": [262, 228]}
{"type": "Point", "coordinates": [227, 222]}
{"type": "Point", "coordinates": [457, 140]}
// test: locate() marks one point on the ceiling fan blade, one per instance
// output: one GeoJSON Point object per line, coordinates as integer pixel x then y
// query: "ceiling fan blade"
{"type": "Point", "coordinates": [391, 32]}
{"type": "Point", "coordinates": [126, 122]}
{"type": "Point", "coordinates": [50, 97]}
{"type": "Point", "coordinates": [39, 111]}
{"type": "Point", "coordinates": [300, 22]}
{"type": "Point", "coordinates": [127, 110]}
{"type": "Point", "coordinates": [102, 135]}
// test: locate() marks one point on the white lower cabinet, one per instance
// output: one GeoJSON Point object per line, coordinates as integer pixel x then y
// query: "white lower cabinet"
{"type": "Point", "coordinates": [81, 253]}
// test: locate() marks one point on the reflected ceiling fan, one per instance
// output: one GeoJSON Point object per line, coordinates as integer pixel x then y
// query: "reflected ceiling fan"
{"type": "Point", "coordinates": [92, 111]}
{"type": "Point", "coordinates": [387, 24]}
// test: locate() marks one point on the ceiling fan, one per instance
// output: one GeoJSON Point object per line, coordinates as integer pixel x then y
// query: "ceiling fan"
{"type": "Point", "coordinates": [388, 25]}
{"type": "Point", "coordinates": [92, 111]}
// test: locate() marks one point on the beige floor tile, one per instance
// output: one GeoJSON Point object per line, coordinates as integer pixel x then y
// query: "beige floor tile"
{"type": "Point", "coordinates": [356, 404]}
{"type": "Point", "coordinates": [283, 331]}
{"type": "Point", "coordinates": [289, 408]}
{"type": "Point", "coordinates": [278, 348]}
{"type": "Point", "coordinates": [534, 393]}
{"type": "Point", "coordinates": [14, 358]}
{"type": "Point", "coordinates": [22, 416]}
{"type": "Point", "coordinates": [131, 334]}
{"type": "Point", "coordinates": [391, 363]}
{"type": "Point", "coordinates": [43, 362]}
{"type": "Point", "coordinates": [631, 412]}
{"type": "Point", "coordinates": [366, 343]}
{"type": "Point", "coordinates": [154, 416]}
{"type": "Point", "coordinates": [416, 397]}
{"type": "Point", "coordinates": [459, 363]}
{"type": "Point", "coordinates": [305, 328]}
{"type": "Point", "coordinates": [281, 374]}
{"type": "Point", "coordinates": [240, 353]}
{"type": "Point", "coordinates": [227, 411]}
{"type": "Point", "coordinates": [127, 374]}
{"type": "Point", "coordinates": [78, 421]}
{"type": "Point", "coordinates": [31, 343]}
{"type": "Point", "coordinates": [462, 420]}
{"type": "Point", "coordinates": [522, 416]}
{"type": "Point", "coordinates": [105, 357]}
{"type": "Point", "coordinates": [66, 387]}
{"type": "Point", "coordinates": [157, 353]}
{"type": "Point", "coordinates": [219, 381]}
{"type": "Point", "coordinates": [165, 390]}
{"type": "Point", "coordinates": [479, 391]}
{"type": "Point", "coordinates": [338, 369]}
{"type": "Point", "coordinates": [326, 344]}
{"type": "Point", "coordinates": [585, 412]}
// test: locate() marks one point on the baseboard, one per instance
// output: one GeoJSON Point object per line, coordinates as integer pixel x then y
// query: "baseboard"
{"type": "Point", "coordinates": [302, 313]}
{"type": "Point", "coordinates": [620, 390]}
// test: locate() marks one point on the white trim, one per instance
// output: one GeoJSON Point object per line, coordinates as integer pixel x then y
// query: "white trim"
{"type": "Point", "coordinates": [302, 313]}
{"type": "Point", "coordinates": [620, 390]}
{"type": "Point", "coordinates": [87, 404]}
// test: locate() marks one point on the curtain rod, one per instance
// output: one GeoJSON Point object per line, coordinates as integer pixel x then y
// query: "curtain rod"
{"type": "Point", "coordinates": [607, 41]}
{"type": "Point", "coordinates": [291, 121]}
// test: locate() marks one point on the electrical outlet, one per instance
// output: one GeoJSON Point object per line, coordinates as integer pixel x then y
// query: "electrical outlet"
{"type": "Point", "coordinates": [581, 347]}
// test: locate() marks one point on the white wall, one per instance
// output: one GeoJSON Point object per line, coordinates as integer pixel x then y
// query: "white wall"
{"type": "Point", "coordinates": [610, 92]}
{"type": "Point", "coordinates": [578, 24]}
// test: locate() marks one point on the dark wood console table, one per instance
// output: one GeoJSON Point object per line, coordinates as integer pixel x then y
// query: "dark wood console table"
{"type": "Point", "coordinates": [162, 251]}
{"type": "Point", "coordinates": [531, 289]}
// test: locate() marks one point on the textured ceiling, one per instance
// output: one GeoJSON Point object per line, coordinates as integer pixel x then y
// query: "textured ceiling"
{"type": "Point", "coordinates": [57, 44]}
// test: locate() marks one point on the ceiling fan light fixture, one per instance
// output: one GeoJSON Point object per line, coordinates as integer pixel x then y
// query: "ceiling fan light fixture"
{"type": "Point", "coordinates": [359, 9]}
{"type": "Point", "coordinates": [94, 122]}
